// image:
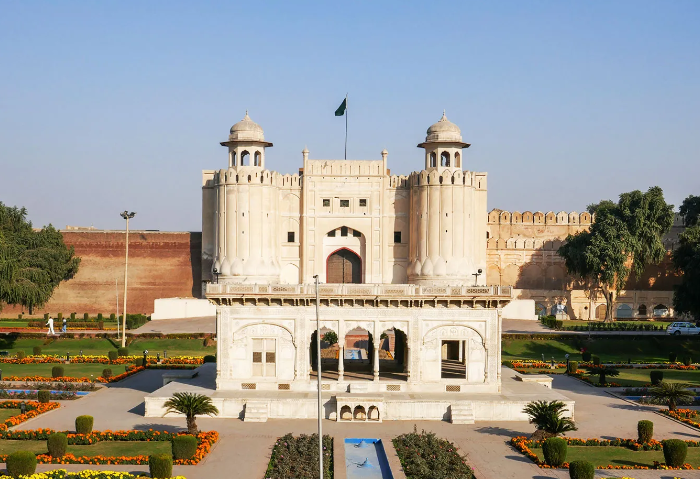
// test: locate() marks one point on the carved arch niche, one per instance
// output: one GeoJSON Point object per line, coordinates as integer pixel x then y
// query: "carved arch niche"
{"type": "Point", "coordinates": [474, 351]}
{"type": "Point", "coordinates": [243, 349]}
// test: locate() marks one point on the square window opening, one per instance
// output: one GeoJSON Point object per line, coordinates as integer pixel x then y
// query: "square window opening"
{"type": "Point", "coordinates": [397, 237]}
{"type": "Point", "coordinates": [363, 202]}
{"type": "Point", "coordinates": [343, 231]}
{"type": "Point", "coordinates": [345, 203]}
{"type": "Point", "coordinates": [326, 203]}
{"type": "Point", "coordinates": [290, 237]}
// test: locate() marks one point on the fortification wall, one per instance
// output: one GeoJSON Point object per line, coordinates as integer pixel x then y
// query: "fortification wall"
{"type": "Point", "coordinates": [161, 265]}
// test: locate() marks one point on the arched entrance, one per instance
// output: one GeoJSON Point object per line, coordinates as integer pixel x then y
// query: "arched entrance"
{"type": "Point", "coordinates": [343, 266]}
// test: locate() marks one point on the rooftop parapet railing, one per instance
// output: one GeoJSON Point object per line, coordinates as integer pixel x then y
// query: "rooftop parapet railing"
{"type": "Point", "coordinates": [356, 290]}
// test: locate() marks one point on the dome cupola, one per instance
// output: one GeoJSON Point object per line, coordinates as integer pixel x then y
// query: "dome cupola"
{"type": "Point", "coordinates": [246, 144]}
{"type": "Point", "coordinates": [246, 130]}
{"type": "Point", "coordinates": [443, 145]}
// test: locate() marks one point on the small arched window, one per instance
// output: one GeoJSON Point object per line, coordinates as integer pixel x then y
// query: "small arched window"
{"type": "Point", "coordinates": [258, 159]}
{"type": "Point", "coordinates": [642, 310]}
{"type": "Point", "coordinates": [433, 160]}
{"type": "Point", "coordinates": [233, 158]}
{"type": "Point", "coordinates": [245, 158]}
{"type": "Point", "coordinates": [457, 160]}
{"type": "Point", "coordinates": [444, 159]}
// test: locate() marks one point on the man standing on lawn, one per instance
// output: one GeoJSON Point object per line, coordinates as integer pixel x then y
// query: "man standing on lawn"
{"type": "Point", "coordinates": [65, 325]}
{"type": "Point", "coordinates": [50, 325]}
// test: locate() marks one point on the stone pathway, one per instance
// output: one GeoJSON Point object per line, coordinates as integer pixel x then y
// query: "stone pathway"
{"type": "Point", "coordinates": [244, 448]}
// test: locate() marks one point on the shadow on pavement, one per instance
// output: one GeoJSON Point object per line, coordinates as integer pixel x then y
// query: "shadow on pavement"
{"type": "Point", "coordinates": [139, 410]}
{"type": "Point", "coordinates": [499, 431]}
{"type": "Point", "coordinates": [159, 427]}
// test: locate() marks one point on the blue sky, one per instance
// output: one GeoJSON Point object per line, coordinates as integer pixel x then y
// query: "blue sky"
{"type": "Point", "coordinates": [106, 106]}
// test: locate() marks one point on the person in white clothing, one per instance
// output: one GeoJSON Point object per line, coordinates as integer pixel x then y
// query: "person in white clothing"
{"type": "Point", "coordinates": [50, 325]}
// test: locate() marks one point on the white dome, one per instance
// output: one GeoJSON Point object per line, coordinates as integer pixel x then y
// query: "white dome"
{"type": "Point", "coordinates": [444, 130]}
{"type": "Point", "coordinates": [246, 130]}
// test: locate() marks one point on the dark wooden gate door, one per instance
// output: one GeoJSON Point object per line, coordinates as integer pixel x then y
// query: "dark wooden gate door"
{"type": "Point", "coordinates": [344, 266]}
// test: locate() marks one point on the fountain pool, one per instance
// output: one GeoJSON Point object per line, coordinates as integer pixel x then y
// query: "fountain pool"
{"type": "Point", "coordinates": [365, 458]}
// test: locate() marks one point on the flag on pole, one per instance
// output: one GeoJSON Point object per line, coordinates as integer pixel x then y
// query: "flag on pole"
{"type": "Point", "coordinates": [341, 109]}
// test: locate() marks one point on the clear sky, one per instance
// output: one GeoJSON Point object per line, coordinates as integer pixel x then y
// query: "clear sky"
{"type": "Point", "coordinates": [106, 106]}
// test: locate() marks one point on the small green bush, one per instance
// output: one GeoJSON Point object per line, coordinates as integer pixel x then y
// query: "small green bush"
{"type": "Point", "coordinates": [184, 446]}
{"type": "Point", "coordinates": [36, 351]}
{"type": "Point", "coordinates": [21, 463]}
{"type": "Point", "coordinates": [112, 355]}
{"type": "Point", "coordinates": [645, 431]}
{"type": "Point", "coordinates": [554, 450]}
{"type": "Point", "coordinates": [138, 362]}
{"type": "Point", "coordinates": [586, 356]}
{"type": "Point", "coordinates": [46, 316]}
{"type": "Point", "coordinates": [123, 351]}
{"type": "Point", "coordinates": [21, 355]}
{"type": "Point", "coordinates": [83, 424]}
{"type": "Point", "coordinates": [596, 361]}
{"type": "Point", "coordinates": [675, 452]}
{"type": "Point", "coordinates": [581, 470]}
{"type": "Point", "coordinates": [106, 373]}
{"type": "Point", "coordinates": [687, 361]}
{"type": "Point", "coordinates": [44, 395]}
{"type": "Point", "coordinates": [58, 372]}
{"type": "Point", "coordinates": [573, 366]}
{"type": "Point", "coordinates": [60, 317]}
{"type": "Point", "coordinates": [72, 316]}
{"type": "Point", "coordinates": [656, 377]}
{"type": "Point", "coordinates": [672, 357]}
{"type": "Point", "coordinates": [112, 317]}
{"type": "Point", "coordinates": [209, 358]}
{"type": "Point", "coordinates": [57, 444]}
{"type": "Point", "coordinates": [86, 317]}
{"type": "Point", "coordinates": [100, 317]}
{"type": "Point", "coordinates": [160, 466]}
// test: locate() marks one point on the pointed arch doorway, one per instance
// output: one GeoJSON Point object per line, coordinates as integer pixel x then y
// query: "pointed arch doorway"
{"type": "Point", "coordinates": [343, 266]}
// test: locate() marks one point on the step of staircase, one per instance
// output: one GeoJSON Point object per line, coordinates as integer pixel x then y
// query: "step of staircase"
{"type": "Point", "coordinates": [256, 411]}
{"type": "Point", "coordinates": [462, 412]}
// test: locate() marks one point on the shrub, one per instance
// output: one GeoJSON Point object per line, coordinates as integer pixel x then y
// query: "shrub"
{"type": "Point", "coordinates": [554, 450]}
{"type": "Point", "coordinates": [123, 351]}
{"type": "Point", "coordinates": [209, 358]}
{"type": "Point", "coordinates": [72, 316]}
{"type": "Point", "coordinates": [581, 470]}
{"type": "Point", "coordinates": [57, 443]}
{"type": "Point", "coordinates": [138, 362]}
{"type": "Point", "coordinates": [672, 357]}
{"type": "Point", "coordinates": [112, 317]}
{"type": "Point", "coordinates": [160, 466]}
{"type": "Point", "coordinates": [558, 324]}
{"type": "Point", "coordinates": [208, 342]}
{"type": "Point", "coordinates": [36, 351]}
{"type": "Point", "coordinates": [21, 355]}
{"type": "Point", "coordinates": [83, 424]}
{"type": "Point", "coordinates": [656, 377]}
{"type": "Point", "coordinates": [86, 317]}
{"type": "Point", "coordinates": [44, 395]}
{"type": "Point", "coordinates": [21, 463]}
{"type": "Point", "coordinates": [675, 451]}
{"type": "Point", "coordinates": [687, 361]}
{"type": "Point", "coordinates": [106, 373]}
{"type": "Point", "coordinates": [112, 355]}
{"type": "Point", "coordinates": [134, 321]}
{"type": "Point", "coordinates": [57, 372]}
{"type": "Point", "coordinates": [46, 316]}
{"type": "Point", "coordinates": [645, 431]}
{"type": "Point", "coordinates": [596, 361]}
{"type": "Point", "coordinates": [59, 317]}
{"type": "Point", "coordinates": [184, 446]}
{"type": "Point", "coordinates": [573, 366]}
{"type": "Point", "coordinates": [100, 317]}
{"type": "Point", "coordinates": [586, 356]}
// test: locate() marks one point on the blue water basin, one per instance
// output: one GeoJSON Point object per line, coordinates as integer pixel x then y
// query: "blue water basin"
{"type": "Point", "coordinates": [365, 458]}
{"type": "Point", "coordinates": [352, 354]}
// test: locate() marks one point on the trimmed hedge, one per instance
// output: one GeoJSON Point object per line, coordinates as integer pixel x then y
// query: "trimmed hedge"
{"type": "Point", "coordinates": [586, 356]}
{"type": "Point", "coordinates": [687, 361]}
{"type": "Point", "coordinates": [160, 466]}
{"type": "Point", "coordinates": [675, 452]}
{"type": "Point", "coordinates": [83, 424]}
{"type": "Point", "coordinates": [57, 444]}
{"type": "Point", "coordinates": [21, 463]}
{"type": "Point", "coordinates": [573, 366]}
{"type": "Point", "coordinates": [21, 355]}
{"type": "Point", "coordinates": [184, 447]}
{"type": "Point", "coordinates": [656, 377]}
{"type": "Point", "coordinates": [58, 372]}
{"type": "Point", "coordinates": [645, 431]}
{"type": "Point", "coordinates": [581, 470]}
{"type": "Point", "coordinates": [596, 360]}
{"type": "Point", "coordinates": [421, 455]}
{"type": "Point", "coordinates": [106, 373]}
{"type": "Point", "coordinates": [123, 351]}
{"type": "Point", "coordinates": [44, 395]}
{"type": "Point", "coordinates": [672, 357]}
{"type": "Point", "coordinates": [554, 450]}
{"type": "Point", "coordinates": [209, 358]}
{"type": "Point", "coordinates": [36, 351]}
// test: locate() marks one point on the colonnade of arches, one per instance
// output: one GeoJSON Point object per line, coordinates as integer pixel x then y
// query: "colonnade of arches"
{"type": "Point", "coordinates": [445, 160]}
{"type": "Point", "coordinates": [245, 158]}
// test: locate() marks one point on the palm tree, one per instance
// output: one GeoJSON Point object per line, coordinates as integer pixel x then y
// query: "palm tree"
{"type": "Point", "coordinates": [191, 405]}
{"type": "Point", "coordinates": [602, 372]}
{"type": "Point", "coordinates": [547, 417]}
{"type": "Point", "coordinates": [671, 394]}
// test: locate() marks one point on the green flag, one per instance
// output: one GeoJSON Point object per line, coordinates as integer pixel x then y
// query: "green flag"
{"type": "Point", "coordinates": [341, 109]}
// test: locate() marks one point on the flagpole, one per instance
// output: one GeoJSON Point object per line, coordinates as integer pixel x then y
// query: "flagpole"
{"type": "Point", "coordinates": [346, 126]}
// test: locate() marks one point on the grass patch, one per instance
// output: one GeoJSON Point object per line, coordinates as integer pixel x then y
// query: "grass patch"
{"type": "Point", "coordinates": [101, 346]}
{"type": "Point", "coordinates": [103, 448]}
{"type": "Point", "coordinates": [76, 370]}
{"type": "Point", "coordinates": [8, 413]}
{"type": "Point", "coordinates": [174, 347]}
{"type": "Point", "coordinates": [639, 377]}
{"type": "Point", "coordinates": [619, 456]}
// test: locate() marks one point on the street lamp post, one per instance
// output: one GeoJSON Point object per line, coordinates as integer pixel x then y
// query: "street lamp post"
{"type": "Point", "coordinates": [476, 276]}
{"type": "Point", "coordinates": [127, 215]}
{"type": "Point", "coordinates": [216, 274]}
{"type": "Point", "coordinates": [318, 367]}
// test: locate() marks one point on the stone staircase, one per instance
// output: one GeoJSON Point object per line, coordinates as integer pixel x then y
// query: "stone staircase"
{"type": "Point", "coordinates": [462, 412]}
{"type": "Point", "coordinates": [256, 411]}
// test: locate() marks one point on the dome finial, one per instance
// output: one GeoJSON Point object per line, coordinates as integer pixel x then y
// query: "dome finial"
{"type": "Point", "coordinates": [444, 117]}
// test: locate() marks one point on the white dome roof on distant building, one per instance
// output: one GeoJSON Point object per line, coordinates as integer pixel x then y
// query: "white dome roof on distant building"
{"type": "Point", "coordinates": [444, 130]}
{"type": "Point", "coordinates": [246, 130]}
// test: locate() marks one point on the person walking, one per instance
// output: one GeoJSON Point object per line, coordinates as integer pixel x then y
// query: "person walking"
{"type": "Point", "coordinates": [50, 325]}
{"type": "Point", "coordinates": [65, 325]}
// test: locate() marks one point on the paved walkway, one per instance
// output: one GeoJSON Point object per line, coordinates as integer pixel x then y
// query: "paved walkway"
{"type": "Point", "coordinates": [245, 447]}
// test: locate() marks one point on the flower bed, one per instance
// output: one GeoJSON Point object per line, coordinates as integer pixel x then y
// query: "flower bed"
{"type": "Point", "coordinates": [298, 457]}
{"type": "Point", "coordinates": [204, 442]}
{"type": "Point", "coordinates": [686, 416]}
{"type": "Point", "coordinates": [44, 359]}
{"type": "Point", "coordinates": [425, 455]}
{"type": "Point", "coordinates": [131, 370]}
{"type": "Point", "coordinates": [33, 410]}
{"type": "Point", "coordinates": [28, 394]}
{"type": "Point", "coordinates": [56, 387]}
{"type": "Point", "coordinates": [525, 446]}
{"type": "Point", "coordinates": [87, 474]}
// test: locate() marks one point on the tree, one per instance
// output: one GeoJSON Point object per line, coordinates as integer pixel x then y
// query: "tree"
{"type": "Point", "coordinates": [547, 418]}
{"type": "Point", "coordinates": [671, 394]}
{"type": "Point", "coordinates": [32, 263]}
{"type": "Point", "coordinates": [603, 372]}
{"type": "Point", "coordinates": [625, 238]}
{"type": "Point", "coordinates": [686, 259]}
{"type": "Point", "coordinates": [191, 405]}
{"type": "Point", "coordinates": [330, 337]}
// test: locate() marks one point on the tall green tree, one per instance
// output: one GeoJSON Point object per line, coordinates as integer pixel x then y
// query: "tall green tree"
{"type": "Point", "coordinates": [32, 262]}
{"type": "Point", "coordinates": [686, 258]}
{"type": "Point", "coordinates": [625, 238]}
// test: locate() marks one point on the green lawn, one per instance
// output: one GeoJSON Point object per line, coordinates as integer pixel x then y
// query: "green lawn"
{"type": "Point", "coordinates": [103, 448]}
{"type": "Point", "coordinates": [100, 347]}
{"type": "Point", "coordinates": [8, 413]}
{"type": "Point", "coordinates": [646, 348]}
{"type": "Point", "coordinates": [570, 322]}
{"type": "Point", "coordinates": [174, 347]}
{"type": "Point", "coordinates": [620, 456]}
{"type": "Point", "coordinates": [76, 370]}
{"type": "Point", "coordinates": [639, 377]}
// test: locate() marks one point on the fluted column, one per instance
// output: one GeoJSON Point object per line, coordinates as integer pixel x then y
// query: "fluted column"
{"type": "Point", "coordinates": [376, 360]}
{"type": "Point", "coordinates": [341, 356]}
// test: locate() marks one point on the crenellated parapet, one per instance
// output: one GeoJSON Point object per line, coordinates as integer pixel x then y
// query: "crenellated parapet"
{"type": "Point", "coordinates": [398, 181]}
{"type": "Point", "coordinates": [522, 243]}
{"type": "Point", "coordinates": [497, 216]}
{"type": "Point", "coordinates": [448, 177]}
